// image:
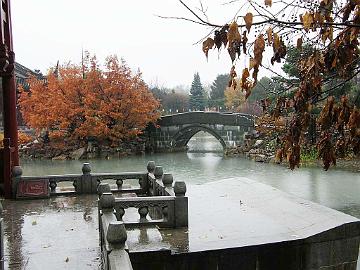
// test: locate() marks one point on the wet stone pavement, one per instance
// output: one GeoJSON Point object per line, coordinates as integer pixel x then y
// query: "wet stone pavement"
{"type": "Point", "coordinates": [62, 232]}
{"type": "Point", "coordinates": [55, 233]}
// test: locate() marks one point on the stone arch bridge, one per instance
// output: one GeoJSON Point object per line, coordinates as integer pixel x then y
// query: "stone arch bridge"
{"type": "Point", "coordinates": [173, 132]}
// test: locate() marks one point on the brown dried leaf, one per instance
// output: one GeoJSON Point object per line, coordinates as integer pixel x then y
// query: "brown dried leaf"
{"type": "Point", "coordinates": [251, 63]}
{"type": "Point", "coordinates": [207, 45]}
{"type": "Point", "coordinates": [326, 151]}
{"type": "Point", "coordinates": [244, 77]}
{"type": "Point", "coordinates": [233, 72]}
{"type": "Point", "coordinates": [259, 48]}
{"type": "Point", "coordinates": [326, 116]}
{"type": "Point", "coordinates": [354, 121]}
{"type": "Point", "coordinates": [223, 34]}
{"type": "Point", "coordinates": [268, 3]}
{"type": "Point", "coordinates": [244, 41]}
{"type": "Point", "coordinates": [276, 42]}
{"type": "Point", "coordinates": [248, 18]}
{"type": "Point", "coordinates": [233, 34]}
{"type": "Point", "coordinates": [279, 49]}
{"type": "Point", "coordinates": [232, 53]}
{"type": "Point", "coordinates": [234, 39]}
{"type": "Point", "coordinates": [293, 156]}
{"type": "Point", "coordinates": [319, 18]}
{"type": "Point", "coordinates": [299, 44]}
{"type": "Point", "coordinates": [279, 156]}
{"type": "Point", "coordinates": [217, 39]}
{"type": "Point", "coordinates": [269, 33]}
{"type": "Point", "coordinates": [246, 84]}
{"type": "Point", "coordinates": [347, 10]}
{"type": "Point", "coordinates": [327, 33]}
{"type": "Point", "coordinates": [232, 82]}
{"type": "Point", "coordinates": [307, 20]}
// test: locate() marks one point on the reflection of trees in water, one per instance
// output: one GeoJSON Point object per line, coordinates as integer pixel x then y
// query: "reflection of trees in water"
{"type": "Point", "coordinates": [204, 142]}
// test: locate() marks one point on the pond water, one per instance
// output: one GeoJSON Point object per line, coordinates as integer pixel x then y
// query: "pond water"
{"type": "Point", "coordinates": [336, 188]}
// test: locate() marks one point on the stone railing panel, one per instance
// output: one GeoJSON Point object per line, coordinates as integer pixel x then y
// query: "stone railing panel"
{"type": "Point", "coordinates": [85, 183]}
{"type": "Point", "coordinates": [165, 206]}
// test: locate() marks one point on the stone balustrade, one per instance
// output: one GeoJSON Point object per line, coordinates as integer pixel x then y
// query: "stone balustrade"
{"type": "Point", "coordinates": [163, 211]}
{"type": "Point", "coordinates": [85, 183]}
{"type": "Point", "coordinates": [154, 182]}
{"type": "Point", "coordinates": [112, 237]}
{"type": "Point", "coordinates": [166, 207]}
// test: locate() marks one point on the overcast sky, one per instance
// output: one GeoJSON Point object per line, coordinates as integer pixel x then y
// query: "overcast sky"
{"type": "Point", "coordinates": [46, 31]}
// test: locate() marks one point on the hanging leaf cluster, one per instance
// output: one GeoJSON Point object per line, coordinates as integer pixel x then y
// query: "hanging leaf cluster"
{"type": "Point", "coordinates": [332, 29]}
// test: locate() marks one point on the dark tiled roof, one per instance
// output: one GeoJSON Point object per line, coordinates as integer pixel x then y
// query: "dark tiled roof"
{"type": "Point", "coordinates": [22, 73]}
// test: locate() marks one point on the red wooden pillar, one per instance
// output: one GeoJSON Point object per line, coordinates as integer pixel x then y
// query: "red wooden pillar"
{"type": "Point", "coordinates": [7, 73]}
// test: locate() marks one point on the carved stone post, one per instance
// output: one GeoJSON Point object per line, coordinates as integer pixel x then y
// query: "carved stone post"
{"type": "Point", "coordinates": [86, 184]}
{"type": "Point", "coordinates": [181, 205]}
{"type": "Point", "coordinates": [116, 235]}
{"type": "Point", "coordinates": [158, 173]}
{"type": "Point", "coordinates": [150, 177]}
{"type": "Point", "coordinates": [119, 183]}
{"type": "Point", "coordinates": [167, 179]}
{"type": "Point", "coordinates": [144, 184]}
{"type": "Point", "coordinates": [16, 177]}
{"type": "Point", "coordinates": [143, 212]}
{"type": "Point", "coordinates": [151, 167]}
{"type": "Point", "coordinates": [107, 202]}
{"type": "Point", "coordinates": [103, 188]}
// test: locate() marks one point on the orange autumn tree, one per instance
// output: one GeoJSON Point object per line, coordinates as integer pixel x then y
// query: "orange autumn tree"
{"type": "Point", "coordinates": [78, 102]}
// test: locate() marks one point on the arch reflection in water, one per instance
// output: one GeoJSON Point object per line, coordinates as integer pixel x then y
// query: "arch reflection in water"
{"type": "Point", "coordinates": [204, 142]}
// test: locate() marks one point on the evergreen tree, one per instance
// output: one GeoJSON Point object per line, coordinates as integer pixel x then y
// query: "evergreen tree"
{"type": "Point", "coordinates": [217, 96]}
{"type": "Point", "coordinates": [197, 94]}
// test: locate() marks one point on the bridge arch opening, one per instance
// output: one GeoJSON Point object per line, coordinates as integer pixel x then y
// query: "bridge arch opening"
{"type": "Point", "coordinates": [182, 138]}
{"type": "Point", "coordinates": [204, 142]}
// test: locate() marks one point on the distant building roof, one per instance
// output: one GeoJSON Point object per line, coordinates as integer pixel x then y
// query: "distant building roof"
{"type": "Point", "coordinates": [22, 73]}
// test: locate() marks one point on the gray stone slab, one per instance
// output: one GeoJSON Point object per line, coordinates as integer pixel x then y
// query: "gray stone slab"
{"type": "Point", "coordinates": [240, 212]}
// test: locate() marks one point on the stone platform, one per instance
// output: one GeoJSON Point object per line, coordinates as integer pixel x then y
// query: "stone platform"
{"type": "Point", "coordinates": [242, 224]}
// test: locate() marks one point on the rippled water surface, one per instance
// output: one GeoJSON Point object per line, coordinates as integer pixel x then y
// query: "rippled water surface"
{"type": "Point", "coordinates": [338, 189]}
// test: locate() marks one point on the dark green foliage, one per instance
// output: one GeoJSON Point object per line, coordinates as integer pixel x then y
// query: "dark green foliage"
{"type": "Point", "coordinates": [293, 55]}
{"type": "Point", "coordinates": [262, 90]}
{"type": "Point", "coordinates": [197, 101]}
{"type": "Point", "coordinates": [217, 97]}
